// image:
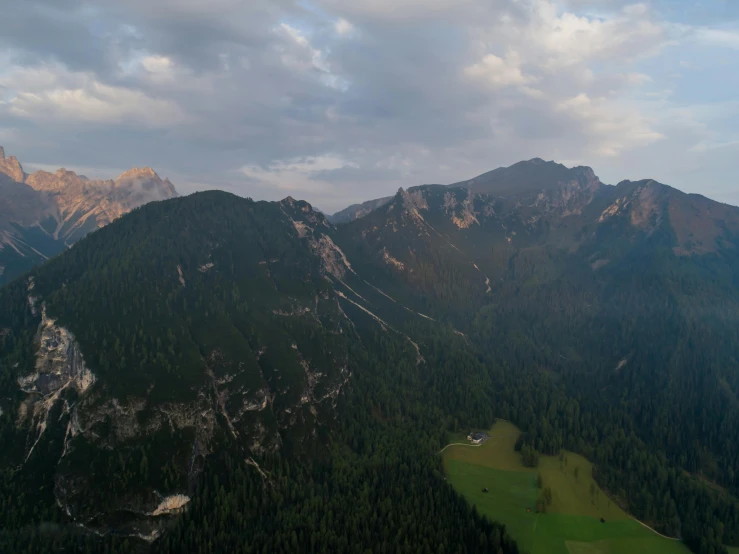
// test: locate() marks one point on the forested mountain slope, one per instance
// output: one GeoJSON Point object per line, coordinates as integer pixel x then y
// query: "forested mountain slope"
{"type": "Point", "coordinates": [43, 213]}
{"type": "Point", "coordinates": [213, 337]}
{"type": "Point", "coordinates": [622, 299]}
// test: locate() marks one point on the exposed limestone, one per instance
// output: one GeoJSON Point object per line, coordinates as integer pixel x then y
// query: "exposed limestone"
{"type": "Point", "coordinates": [334, 260]}
{"type": "Point", "coordinates": [59, 362]}
{"type": "Point", "coordinates": [171, 504]}
{"type": "Point", "coordinates": [150, 538]}
{"type": "Point", "coordinates": [205, 267]}
{"type": "Point", "coordinates": [384, 325]}
{"type": "Point", "coordinates": [646, 211]}
{"type": "Point", "coordinates": [613, 209]}
{"type": "Point", "coordinates": [262, 399]}
{"type": "Point", "coordinates": [392, 261]}
{"type": "Point", "coordinates": [12, 168]}
{"type": "Point", "coordinates": [31, 299]}
{"type": "Point", "coordinates": [462, 213]}
{"type": "Point", "coordinates": [412, 202]}
{"type": "Point", "coordinates": [181, 277]}
{"type": "Point", "coordinates": [251, 462]}
{"type": "Point", "coordinates": [302, 229]}
{"type": "Point", "coordinates": [59, 366]}
{"type": "Point", "coordinates": [418, 199]}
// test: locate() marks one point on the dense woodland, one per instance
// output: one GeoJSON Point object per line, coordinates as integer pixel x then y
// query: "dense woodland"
{"type": "Point", "coordinates": [543, 349]}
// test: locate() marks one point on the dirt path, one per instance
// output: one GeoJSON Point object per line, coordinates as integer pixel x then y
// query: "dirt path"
{"type": "Point", "coordinates": [468, 444]}
{"type": "Point", "coordinates": [458, 444]}
{"type": "Point", "coordinates": [655, 532]}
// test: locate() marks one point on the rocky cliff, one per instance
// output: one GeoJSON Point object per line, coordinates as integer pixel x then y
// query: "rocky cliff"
{"type": "Point", "coordinates": [43, 213]}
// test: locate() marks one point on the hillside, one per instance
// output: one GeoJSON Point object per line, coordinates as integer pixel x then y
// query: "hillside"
{"type": "Point", "coordinates": [618, 300]}
{"type": "Point", "coordinates": [43, 213]}
{"type": "Point", "coordinates": [196, 329]}
{"type": "Point", "coordinates": [258, 345]}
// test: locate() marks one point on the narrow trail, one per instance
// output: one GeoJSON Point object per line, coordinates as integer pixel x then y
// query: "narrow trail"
{"type": "Point", "coordinates": [458, 444]}
{"type": "Point", "coordinates": [468, 444]}
{"type": "Point", "coordinates": [655, 532]}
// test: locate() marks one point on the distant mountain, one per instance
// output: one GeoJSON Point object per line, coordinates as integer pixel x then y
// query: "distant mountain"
{"type": "Point", "coordinates": [531, 192]}
{"type": "Point", "coordinates": [355, 211]}
{"type": "Point", "coordinates": [44, 213]}
{"type": "Point", "coordinates": [527, 176]}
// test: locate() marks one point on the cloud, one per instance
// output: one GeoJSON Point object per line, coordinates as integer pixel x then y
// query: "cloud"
{"type": "Point", "coordinates": [705, 146]}
{"type": "Point", "coordinates": [718, 37]}
{"type": "Point", "coordinates": [615, 130]}
{"type": "Point", "coordinates": [499, 72]}
{"type": "Point", "coordinates": [337, 101]}
{"type": "Point", "coordinates": [51, 93]}
{"type": "Point", "coordinates": [298, 174]}
{"type": "Point", "coordinates": [343, 27]}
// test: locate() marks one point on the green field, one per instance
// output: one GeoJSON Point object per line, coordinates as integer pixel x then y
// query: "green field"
{"type": "Point", "coordinates": [572, 523]}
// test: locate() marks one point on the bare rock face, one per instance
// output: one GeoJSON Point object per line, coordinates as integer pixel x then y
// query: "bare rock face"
{"type": "Point", "coordinates": [84, 205]}
{"type": "Point", "coordinates": [59, 367]}
{"type": "Point", "coordinates": [43, 213]}
{"type": "Point", "coordinates": [11, 167]}
{"type": "Point", "coordinates": [59, 362]}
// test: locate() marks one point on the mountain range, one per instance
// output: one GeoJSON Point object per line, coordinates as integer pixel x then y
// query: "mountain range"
{"type": "Point", "coordinates": [313, 361]}
{"type": "Point", "coordinates": [44, 213]}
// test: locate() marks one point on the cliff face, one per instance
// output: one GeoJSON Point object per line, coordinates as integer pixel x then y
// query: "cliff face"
{"type": "Point", "coordinates": [11, 167]}
{"type": "Point", "coordinates": [43, 213]}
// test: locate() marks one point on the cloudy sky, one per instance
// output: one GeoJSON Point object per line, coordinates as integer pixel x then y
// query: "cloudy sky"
{"type": "Point", "coordinates": [338, 101]}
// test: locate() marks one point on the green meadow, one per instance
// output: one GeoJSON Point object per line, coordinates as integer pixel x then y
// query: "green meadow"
{"type": "Point", "coordinates": [572, 524]}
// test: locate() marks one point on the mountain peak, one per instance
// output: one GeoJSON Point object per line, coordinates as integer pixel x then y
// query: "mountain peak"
{"type": "Point", "coordinates": [138, 172]}
{"type": "Point", "coordinates": [11, 167]}
{"type": "Point", "coordinates": [62, 207]}
{"type": "Point", "coordinates": [531, 175]}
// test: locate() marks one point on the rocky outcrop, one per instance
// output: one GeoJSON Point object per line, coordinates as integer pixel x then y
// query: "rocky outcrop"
{"type": "Point", "coordinates": [43, 213]}
{"type": "Point", "coordinates": [11, 167]}
{"type": "Point", "coordinates": [59, 367]}
{"type": "Point", "coordinates": [313, 227]}
{"type": "Point", "coordinates": [171, 505]}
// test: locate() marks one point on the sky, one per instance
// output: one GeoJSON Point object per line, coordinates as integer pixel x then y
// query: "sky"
{"type": "Point", "coordinates": [339, 101]}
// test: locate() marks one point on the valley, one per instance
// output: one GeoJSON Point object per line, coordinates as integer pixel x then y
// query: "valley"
{"type": "Point", "coordinates": [494, 479]}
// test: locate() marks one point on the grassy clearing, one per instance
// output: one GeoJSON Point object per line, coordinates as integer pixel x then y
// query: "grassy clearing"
{"type": "Point", "coordinates": [572, 525]}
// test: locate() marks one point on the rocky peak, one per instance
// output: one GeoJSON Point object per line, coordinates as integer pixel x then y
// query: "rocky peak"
{"type": "Point", "coordinates": [66, 206]}
{"type": "Point", "coordinates": [11, 167]}
{"type": "Point", "coordinates": [138, 173]}
{"type": "Point", "coordinates": [302, 212]}
{"type": "Point", "coordinates": [535, 175]}
{"type": "Point", "coordinates": [141, 185]}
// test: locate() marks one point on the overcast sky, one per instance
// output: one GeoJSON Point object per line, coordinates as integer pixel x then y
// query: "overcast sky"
{"type": "Point", "coordinates": [338, 101]}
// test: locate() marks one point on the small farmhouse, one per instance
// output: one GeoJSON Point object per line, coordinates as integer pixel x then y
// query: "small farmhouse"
{"type": "Point", "coordinates": [477, 438]}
